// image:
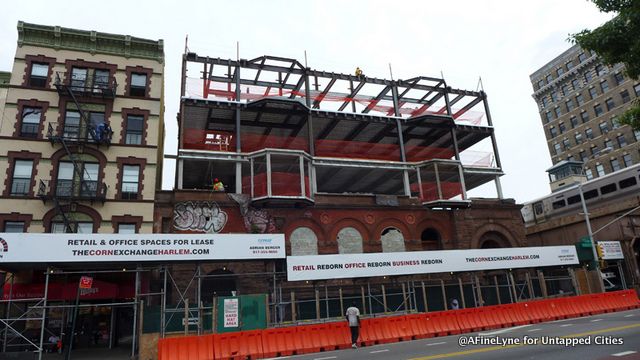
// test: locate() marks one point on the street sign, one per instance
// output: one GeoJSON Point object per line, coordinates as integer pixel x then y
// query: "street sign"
{"type": "Point", "coordinates": [585, 242]}
{"type": "Point", "coordinates": [86, 282]}
{"type": "Point", "coordinates": [610, 250]}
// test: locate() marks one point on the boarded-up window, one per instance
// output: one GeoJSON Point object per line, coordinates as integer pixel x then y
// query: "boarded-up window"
{"type": "Point", "coordinates": [349, 241]}
{"type": "Point", "coordinates": [303, 242]}
{"type": "Point", "coordinates": [392, 240]}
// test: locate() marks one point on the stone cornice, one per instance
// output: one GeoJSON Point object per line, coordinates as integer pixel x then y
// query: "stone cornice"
{"type": "Point", "coordinates": [60, 38]}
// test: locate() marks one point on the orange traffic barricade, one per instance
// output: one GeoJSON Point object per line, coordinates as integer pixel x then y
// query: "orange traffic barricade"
{"type": "Point", "coordinates": [279, 342]}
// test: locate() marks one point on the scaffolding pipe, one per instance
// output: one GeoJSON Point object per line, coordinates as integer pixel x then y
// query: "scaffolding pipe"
{"type": "Point", "coordinates": [44, 313]}
{"type": "Point", "coordinates": [163, 305]}
{"type": "Point", "coordinates": [135, 315]}
{"type": "Point", "coordinates": [8, 314]}
{"type": "Point", "coordinates": [424, 297]}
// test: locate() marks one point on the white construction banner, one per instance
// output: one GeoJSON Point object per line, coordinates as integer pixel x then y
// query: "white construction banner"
{"type": "Point", "coordinates": [61, 248]}
{"type": "Point", "coordinates": [231, 313]}
{"type": "Point", "coordinates": [319, 267]}
{"type": "Point", "coordinates": [611, 250]}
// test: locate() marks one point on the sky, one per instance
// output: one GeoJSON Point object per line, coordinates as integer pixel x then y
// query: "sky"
{"type": "Point", "coordinates": [502, 42]}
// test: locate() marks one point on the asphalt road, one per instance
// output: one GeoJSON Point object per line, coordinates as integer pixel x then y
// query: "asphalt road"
{"type": "Point", "coordinates": [605, 336]}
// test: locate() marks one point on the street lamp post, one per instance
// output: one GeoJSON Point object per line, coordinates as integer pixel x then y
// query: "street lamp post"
{"type": "Point", "coordinates": [589, 231]}
{"type": "Point", "coordinates": [591, 239]}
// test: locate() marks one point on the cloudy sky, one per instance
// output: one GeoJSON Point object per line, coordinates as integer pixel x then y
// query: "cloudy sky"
{"type": "Point", "coordinates": [501, 41]}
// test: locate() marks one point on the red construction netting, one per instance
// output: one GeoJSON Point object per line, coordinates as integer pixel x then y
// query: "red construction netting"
{"type": "Point", "coordinates": [255, 142]}
{"type": "Point", "coordinates": [204, 89]}
{"type": "Point", "coordinates": [420, 153]}
{"type": "Point", "coordinates": [208, 140]}
{"type": "Point", "coordinates": [357, 150]}
{"type": "Point", "coordinates": [282, 184]}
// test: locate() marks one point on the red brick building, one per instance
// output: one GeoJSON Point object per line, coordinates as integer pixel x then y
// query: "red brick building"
{"type": "Point", "coordinates": [338, 163]}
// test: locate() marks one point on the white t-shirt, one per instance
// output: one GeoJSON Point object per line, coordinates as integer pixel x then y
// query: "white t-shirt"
{"type": "Point", "coordinates": [352, 315]}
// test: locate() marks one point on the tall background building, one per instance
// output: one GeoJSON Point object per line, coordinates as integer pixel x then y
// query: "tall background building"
{"type": "Point", "coordinates": [579, 99]}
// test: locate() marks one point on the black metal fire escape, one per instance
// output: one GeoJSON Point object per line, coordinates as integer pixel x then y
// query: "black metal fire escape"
{"type": "Point", "coordinates": [85, 133]}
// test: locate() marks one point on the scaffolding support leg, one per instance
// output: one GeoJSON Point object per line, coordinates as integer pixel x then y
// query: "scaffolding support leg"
{"type": "Point", "coordinates": [135, 315]}
{"type": "Point", "coordinates": [8, 314]}
{"type": "Point", "coordinates": [44, 313]}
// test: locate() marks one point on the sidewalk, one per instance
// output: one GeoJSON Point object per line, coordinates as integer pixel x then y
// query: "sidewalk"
{"type": "Point", "coordinates": [87, 354]}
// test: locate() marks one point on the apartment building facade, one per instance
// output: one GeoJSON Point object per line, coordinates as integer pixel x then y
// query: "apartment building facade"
{"type": "Point", "coordinates": [81, 133]}
{"type": "Point", "coordinates": [579, 100]}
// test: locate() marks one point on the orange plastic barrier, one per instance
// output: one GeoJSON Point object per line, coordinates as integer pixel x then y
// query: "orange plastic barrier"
{"type": "Point", "coordinates": [238, 345]}
{"type": "Point", "coordinates": [316, 338]}
{"type": "Point", "coordinates": [368, 333]}
{"type": "Point", "coordinates": [444, 322]}
{"type": "Point", "coordinates": [381, 332]}
{"type": "Point", "coordinates": [628, 298]}
{"type": "Point", "coordinates": [279, 342]}
{"type": "Point", "coordinates": [467, 320]}
{"type": "Point", "coordinates": [399, 328]}
{"type": "Point", "coordinates": [420, 328]}
{"type": "Point", "coordinates": [186, 348]}
{"type": "Point", "coordinates": [331, 336]}
{"type": "Point", "coordinates": [340, 334]}
{"type": "Point", "coordinates": [487, 318]}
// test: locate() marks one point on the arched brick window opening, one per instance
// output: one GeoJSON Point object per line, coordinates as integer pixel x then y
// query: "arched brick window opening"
{"type": "Point", "coordinates": [493, 240]}
{"type": "Point", "coordinates": [392, 240]}
{"type": "Point", "coordinates": [303, 242]}
{"type": "Point", "coordinates": [431, 240]}
{"type": "Point", "coordinates": [220, 283]}
{"type": "Point", "coordinates": [349, 241]}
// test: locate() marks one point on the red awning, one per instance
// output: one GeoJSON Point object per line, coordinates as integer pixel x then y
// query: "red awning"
{"type": "Point", "coordinates": [67, 291]}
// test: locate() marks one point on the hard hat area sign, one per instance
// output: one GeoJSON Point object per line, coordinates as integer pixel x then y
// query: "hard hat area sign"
{"type": "Point", "coordinates": [231, 314]}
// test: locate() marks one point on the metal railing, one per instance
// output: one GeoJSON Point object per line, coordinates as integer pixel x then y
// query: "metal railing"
{"type": "Point", "coordinates": [80, 133]}
{"type": "Point", "coordinates": [97, 86]}
{"type": "Point", "coordinates": [72, 189]}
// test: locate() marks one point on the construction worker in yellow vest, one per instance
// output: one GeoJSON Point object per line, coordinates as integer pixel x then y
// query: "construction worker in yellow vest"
{"type": "Point", "coordinates": [358, 71]}
{"type": "Point", "coordinates": [218, 185]}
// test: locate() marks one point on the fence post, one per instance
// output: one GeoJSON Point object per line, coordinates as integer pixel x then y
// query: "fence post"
{"type": "Point", "coordinates": [479, 291]}
{"type": "Point", "coordinates": [513, 287]}
{"type": "Point", "coordinates": [444, 295]}
{"type": "Point", "coordinates": [495, 281]}
{"type": "Point", "coordinates": [574, 282]}
{"type": "Point", "coordinates": [464, 303]}
{"type": "Point", "coordinates": [214, 315]}
{"type": "Point", "coordinates": [341, 300]}
{"type": "Point", "coordinates": [186, 317]}
{"type": "Point", "coordinates": [404, 297]}
{"type": "Point", "coordinates": [529, 285]}
{"type": "Point", "coordinates": [384, 298]}
{"type": "Point", "coordinates": [543, 284]}
{"type": "Point", "coordinates": [293, 306]}
{"type": "Point", "coordinates": [424, 297]}
{"type": "Point", "coordinates": [364, 304]}
{"type": "Point", "coordinates": [317, 304]}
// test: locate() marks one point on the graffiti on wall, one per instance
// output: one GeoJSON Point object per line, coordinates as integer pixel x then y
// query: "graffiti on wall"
{"type": "Point", "coordinates": [201, 216]}
{"type": "Point", "coordinates": [256, 221]}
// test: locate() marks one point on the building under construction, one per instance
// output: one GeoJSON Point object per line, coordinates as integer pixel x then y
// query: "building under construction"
{"type": "Point", "coordinates": [339, 164]}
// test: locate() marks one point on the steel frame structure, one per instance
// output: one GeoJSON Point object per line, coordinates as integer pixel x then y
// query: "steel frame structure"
{"type": "Point", "coordinates": [308, 94]}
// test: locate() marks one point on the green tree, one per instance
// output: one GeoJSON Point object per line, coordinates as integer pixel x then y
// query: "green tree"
{"type": "Point", "coordinates": [618, 41]}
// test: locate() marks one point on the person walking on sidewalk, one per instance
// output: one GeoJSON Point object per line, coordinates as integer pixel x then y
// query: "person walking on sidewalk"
{"type": "Point", "coordinates": [353, 317]}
